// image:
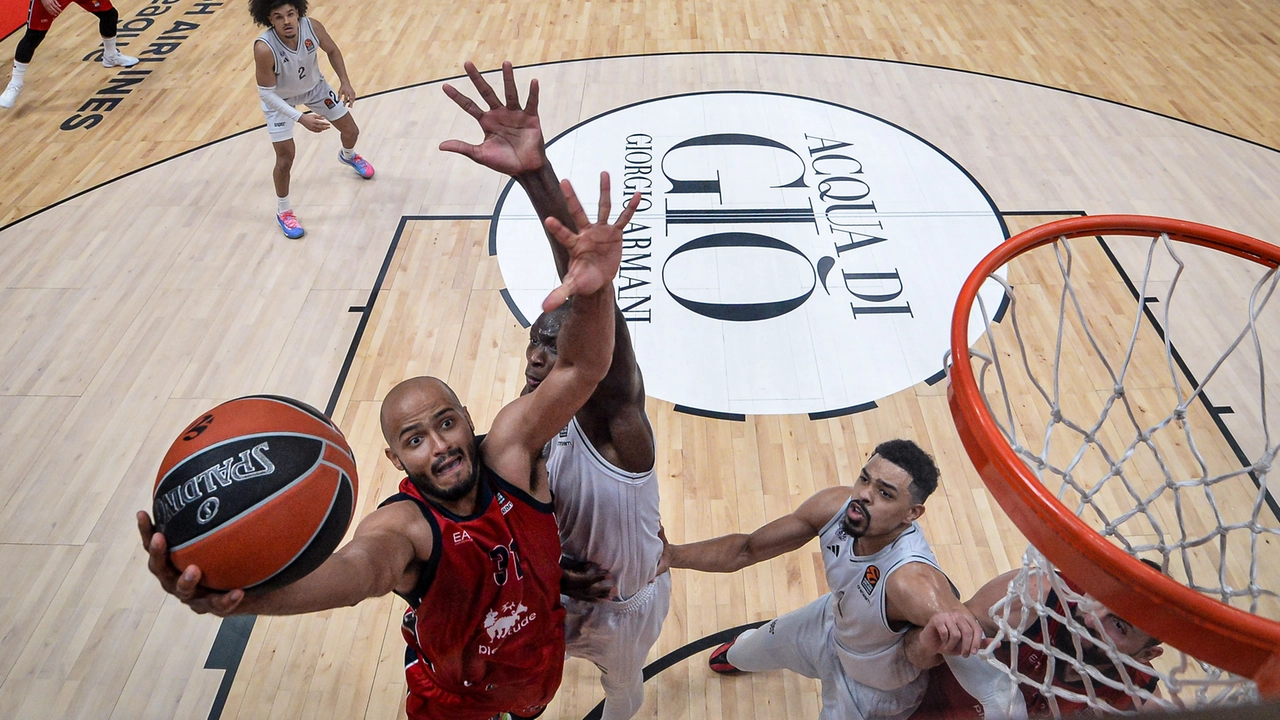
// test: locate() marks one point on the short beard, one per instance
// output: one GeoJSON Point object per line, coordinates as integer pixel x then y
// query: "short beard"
{"type": "Point", "coordinates": [849, 529]}
{"type": "Point", "coordinates": [1092, 652]}
{"type": "Point", "coordinates": [457, 492]}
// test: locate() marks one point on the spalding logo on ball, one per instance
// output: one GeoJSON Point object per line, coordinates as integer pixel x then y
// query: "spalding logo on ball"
{"type": "Point", "coordinates": [257, 493]}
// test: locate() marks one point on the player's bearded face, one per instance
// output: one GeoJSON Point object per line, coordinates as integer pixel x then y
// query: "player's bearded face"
{"type": "Point", "coordinates": [450, 477]}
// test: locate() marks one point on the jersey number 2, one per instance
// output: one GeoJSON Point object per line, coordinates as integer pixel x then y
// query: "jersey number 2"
{"type": "Point", "coordinates": [302, 73]}
{"type": "Point", "coordinates": [506, 556]}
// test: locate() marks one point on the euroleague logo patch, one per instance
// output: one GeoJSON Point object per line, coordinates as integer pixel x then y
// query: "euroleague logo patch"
{"type": "Point", "coordinates": [869, 580]}
{"type": "Point", "coordinates": [789, 255]}
{"type": "Point", "coordinates": [308, 44]}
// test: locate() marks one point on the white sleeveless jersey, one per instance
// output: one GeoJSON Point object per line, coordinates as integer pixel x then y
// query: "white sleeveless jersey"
{"type": "Point", "coordinates": [606, 515]}
{"type": "Point", "coordinates": [297, 71]}
{"type": "Point", "coordinates": [870, 652]}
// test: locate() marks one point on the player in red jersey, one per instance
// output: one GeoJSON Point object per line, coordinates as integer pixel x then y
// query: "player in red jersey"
{"type": "Point", "coordinates": [40, 17]}
{"type": "Point", "coordinates": [982, 690]}
{"type": "Point", "coordinates": [469, 541]}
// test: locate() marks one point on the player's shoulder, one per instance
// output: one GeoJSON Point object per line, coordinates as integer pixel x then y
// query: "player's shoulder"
{"type": "Point", "coordinates": [317, 27]}
{"type": "Point", "coordinates": [824, 504]}
{"type": "Point", "coordinates": [404, 515]}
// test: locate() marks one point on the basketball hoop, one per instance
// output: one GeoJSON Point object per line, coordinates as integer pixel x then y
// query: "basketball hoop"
{"type": "Point", "coordinates": [1133, 495]}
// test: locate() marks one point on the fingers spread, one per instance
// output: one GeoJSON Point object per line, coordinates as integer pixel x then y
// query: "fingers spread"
{"type": "Point", "coordinates": [509, 86]}
{"type": "Point", "coordinates": [625, 216]}
{"type": "Point", "coordinates": [482, 86]}
{"type": "Point", "coordinates": [576, 212]}
{"type": "Point", "coordinates": [602, 216]}
{"type": "Point", "coordinates": [556, 298]}
{"type": "Point", "coordinates": [531, 105]}
{"type": "Point", "coordinates": [459, 147]}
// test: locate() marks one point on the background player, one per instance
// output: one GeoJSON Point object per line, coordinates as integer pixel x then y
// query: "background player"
{"type": "Point", "coordinates": [601, 466]}
{"type": "Point", "coordinates": [883, 579]}
{"type": "Point", "coordinates": [470, 540]}
{"type": "Point", "coordinates": [40, 17]}
{"type": "Point", "coordinates": [971, 688]}
{"type": "Point", "coordinates": [288, 72]}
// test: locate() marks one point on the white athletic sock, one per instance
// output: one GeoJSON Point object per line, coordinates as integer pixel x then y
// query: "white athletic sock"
{"type": "Point", "coordinates": [19, 71]}
{"type": "Point", "coordinates": [348, 153]}
{"type": "Point", "coordinates": [282, 205]}
{"type": "Point", "coordinates": [109, 46]}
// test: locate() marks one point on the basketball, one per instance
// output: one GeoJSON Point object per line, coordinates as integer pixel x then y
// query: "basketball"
{"type": "Point", "coordinates": [256, 492]}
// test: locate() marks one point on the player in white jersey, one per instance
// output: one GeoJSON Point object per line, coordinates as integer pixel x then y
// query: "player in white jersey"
{"type": "Point", "coordinates": [287, 65]}
{"type": "Point", "coordinates": [601, 466]}
{"type": "Point", "coordinates": [883, 579]}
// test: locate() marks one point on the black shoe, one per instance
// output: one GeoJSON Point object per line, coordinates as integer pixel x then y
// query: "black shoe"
{"type": "Point", "coordinates": [719, 661]}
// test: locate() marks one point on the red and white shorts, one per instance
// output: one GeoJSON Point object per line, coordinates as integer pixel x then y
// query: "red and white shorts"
{"type": "Point", "coordinates": [39, 19]}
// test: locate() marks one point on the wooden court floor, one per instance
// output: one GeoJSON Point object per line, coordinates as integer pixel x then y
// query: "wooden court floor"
{"type": "Point", "coordinates": [127, 310]}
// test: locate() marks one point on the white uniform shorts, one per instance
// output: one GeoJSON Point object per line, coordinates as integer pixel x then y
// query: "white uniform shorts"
{"type": "Point", "coordinates": [803, 641]}
{"type": "Point", "coordinates": [321, 100]}
{"type": "Point", "coordinates": [617, 636]}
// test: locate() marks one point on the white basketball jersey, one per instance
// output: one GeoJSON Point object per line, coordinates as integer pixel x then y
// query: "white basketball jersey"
{"type": "Point", "coordinates": [297, 71]}
{"type": "Point", "coordinates": [606, 515]}
{"type": "Point", "coordinates": [869, 650]}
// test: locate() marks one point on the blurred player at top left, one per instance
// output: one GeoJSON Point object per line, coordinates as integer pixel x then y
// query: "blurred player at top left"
{"type": "Point", "coordinates": [40, 17]}
{"type": "Point", "coordinates": [288, 71]}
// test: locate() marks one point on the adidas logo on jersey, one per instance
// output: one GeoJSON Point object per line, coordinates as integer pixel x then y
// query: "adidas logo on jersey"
{"type": "Point", "coordinates": [835, 549]}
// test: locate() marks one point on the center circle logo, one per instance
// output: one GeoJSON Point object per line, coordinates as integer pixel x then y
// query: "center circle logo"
{"type": "Point", "coordinates": [789, 255]}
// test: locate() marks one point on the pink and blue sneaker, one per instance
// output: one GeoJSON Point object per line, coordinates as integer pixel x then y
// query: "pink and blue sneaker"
{"type": "Point", "coordinates": [290, 225]}
{"type": "Point", "coordinates": [359, 164]}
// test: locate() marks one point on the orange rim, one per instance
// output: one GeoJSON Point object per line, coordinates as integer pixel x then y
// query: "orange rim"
{"type": "Point", "coordinates": [1209, 630]}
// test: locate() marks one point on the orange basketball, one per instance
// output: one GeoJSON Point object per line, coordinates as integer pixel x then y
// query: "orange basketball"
{"type": "Point", "coordinates": [257, 492]}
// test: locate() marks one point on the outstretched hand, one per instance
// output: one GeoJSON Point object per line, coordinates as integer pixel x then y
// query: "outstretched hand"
{"type": "Point", "coordinates": [595, 252]}
{"type": "Point", "coordinates": [513, 141]}
{"type": "Point", "coordinates": [183, 585]}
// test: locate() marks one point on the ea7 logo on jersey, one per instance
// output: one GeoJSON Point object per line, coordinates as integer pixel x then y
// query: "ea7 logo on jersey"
{"type": "Point", "coordinates": [869, 580]}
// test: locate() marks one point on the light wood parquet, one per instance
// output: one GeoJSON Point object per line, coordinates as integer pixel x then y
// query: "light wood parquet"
{"type": "Point", "coordinates": [118, 324]}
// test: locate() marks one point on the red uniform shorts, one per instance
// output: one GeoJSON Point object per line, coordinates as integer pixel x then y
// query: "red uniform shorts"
{"type": "Point", "coordinates": [39, 19]}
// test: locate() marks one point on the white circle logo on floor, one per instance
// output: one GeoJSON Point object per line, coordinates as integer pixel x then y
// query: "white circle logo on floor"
{"type": "Point", "coordinates": [789, 255]}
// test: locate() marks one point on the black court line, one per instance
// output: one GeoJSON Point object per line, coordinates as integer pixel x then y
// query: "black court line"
{"type": "Point", "coordinates": [233, 634]}
{"type": "Point", "coordinates": [367, 310]}
{"type": "Point", "coordinates": [675, 53]}
{"type": "Point", "coordinates": [683, 653]}
{"type": "Point", "coordinates": [1215, 411]}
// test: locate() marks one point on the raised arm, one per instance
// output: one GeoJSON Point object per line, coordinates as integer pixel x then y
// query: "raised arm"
{"type": "Point", "coordinates": [585, 345]}
{"type": "Point", "coordinates": [346, 93]}
{"type": "Point", "coordinates": [382, 556]}
{"type": "Point", "coordinates": [730, 553]}
{"type": "Point", "coordinates": [513, 144]}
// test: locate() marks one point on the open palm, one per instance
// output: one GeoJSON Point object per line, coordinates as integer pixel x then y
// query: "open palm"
{"type": "Point", "coordinates": [512, 134]}
{"type": "Point", "coordinates": [595, 252]}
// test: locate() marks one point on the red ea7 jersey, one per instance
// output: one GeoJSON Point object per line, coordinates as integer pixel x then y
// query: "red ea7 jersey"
{"type": "Point", "coordinates": [485, 627]}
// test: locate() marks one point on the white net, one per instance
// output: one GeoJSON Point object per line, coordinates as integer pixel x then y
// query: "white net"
{"type": "Point", "coordinates": [1129, 373]}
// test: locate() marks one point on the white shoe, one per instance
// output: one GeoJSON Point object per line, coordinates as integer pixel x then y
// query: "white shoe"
{"type": "Point", "coordinates": [117, 59]}
{"type": "Point", "coordinates": [10, 95]}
